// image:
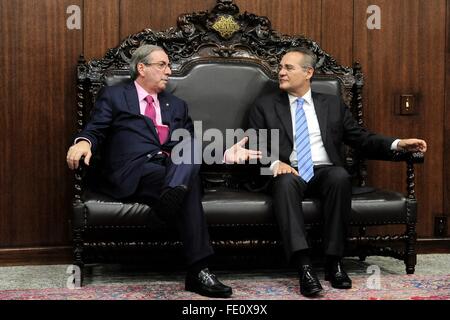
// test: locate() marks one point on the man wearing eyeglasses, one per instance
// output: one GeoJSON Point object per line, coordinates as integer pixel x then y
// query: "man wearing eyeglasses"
{"type": "Point", "coordinates": [313, 128]}
{"type": "Point", "coordinates": [133, 124]}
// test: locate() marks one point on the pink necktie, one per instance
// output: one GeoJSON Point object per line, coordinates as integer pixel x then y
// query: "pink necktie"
{"type": "Point", "coordinates": [163, 131]}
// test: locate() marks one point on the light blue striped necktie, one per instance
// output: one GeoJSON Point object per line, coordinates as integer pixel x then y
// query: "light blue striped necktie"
{"type": "Point", "coordinates": [302, 144]}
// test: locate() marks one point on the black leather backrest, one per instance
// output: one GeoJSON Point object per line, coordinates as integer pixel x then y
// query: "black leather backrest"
{"type": "Point", "coordinates": [221, 94]}
{"type": "Point", "coordinates": [115, 77]}
{"type": "Point", "coordinates": [327, 86]}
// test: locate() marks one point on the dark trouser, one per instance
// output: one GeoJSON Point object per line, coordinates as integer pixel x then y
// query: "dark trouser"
{"type": "Point", "coordinates": [192, 224]}
{"type": "Point", "coordinates": [332, 186]}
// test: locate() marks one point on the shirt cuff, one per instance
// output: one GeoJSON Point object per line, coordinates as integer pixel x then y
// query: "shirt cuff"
{"type": "Point", "coordinates": [225, 157]}
{"type": "Point", "coordinates": [394, 145]}
{"type": "Point", "coordinates": [84, 139]}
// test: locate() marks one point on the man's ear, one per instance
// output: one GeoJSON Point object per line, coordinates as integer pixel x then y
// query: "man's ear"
{"type": "Point", "coordinates": [140, 68]}
{"type": "Point", "coordinates": [309, 73]}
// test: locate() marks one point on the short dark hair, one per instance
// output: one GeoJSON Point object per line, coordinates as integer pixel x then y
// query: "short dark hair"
{"type": "Point", "coordinates": [310, 59]}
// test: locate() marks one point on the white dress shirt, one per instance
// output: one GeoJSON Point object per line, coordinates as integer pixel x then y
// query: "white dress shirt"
{"type": "Point", "coordinates": [318, 153]}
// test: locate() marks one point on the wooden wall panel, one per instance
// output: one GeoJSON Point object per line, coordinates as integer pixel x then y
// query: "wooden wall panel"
{"type": "Point", "coordinates": [291, 17]}
{"type": "Point", "coordinates": [410, 63]}
{"type": "Point", "coordinates": [38, 94]}
{"type": "Point", "coordinates": [446, 175]}
{"type": "Point", "coordinates": [160, 15]}
{"type": "Point", "coordinates": [337, 30]}
{"type": "Point", "coordinates": [101, 27]}
{"type": "Point", "coordinates": [431, 66]}
{"type": "Point", "coordinates": [7, 105]}
{"type": "Point", "coordinates": [136, 15]}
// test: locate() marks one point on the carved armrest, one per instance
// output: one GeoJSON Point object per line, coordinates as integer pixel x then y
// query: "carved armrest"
{"type": "Point", "coordinates": [78, 183]}
{"type": "Point", "coordinates": [409, 157]}
{"type": "Point", "coordinates": [398, 156]}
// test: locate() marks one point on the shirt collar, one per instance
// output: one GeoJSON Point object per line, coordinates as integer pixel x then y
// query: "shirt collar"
{"type": "Point", "coordinates": [307, 97]}
{"type": "Point", "coordinates": [142, 93]}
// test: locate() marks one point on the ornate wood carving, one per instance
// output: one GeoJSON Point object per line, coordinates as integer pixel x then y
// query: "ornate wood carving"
{"type": "Point", "coordinates": [410, 248]}
{"type": "Point", "coordinates": [81, 103]}
{"type": "Point", "coordinates": [223, 32]}
{"type": "Point", "coordinates": [410, 183]}
{"type": "Point", "coordinates": [78, 248]}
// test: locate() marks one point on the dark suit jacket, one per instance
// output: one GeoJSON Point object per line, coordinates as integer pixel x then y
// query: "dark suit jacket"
{"type": "Point", "coordinates": [127, 138]}
{"type": "Point", "coordinates": [337, 127]}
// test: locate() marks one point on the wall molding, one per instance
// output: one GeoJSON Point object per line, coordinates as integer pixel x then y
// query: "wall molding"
{"type": "Point", "coordinates": [35, 255]}
{"type": "Point", "coordinates": [63, 254]}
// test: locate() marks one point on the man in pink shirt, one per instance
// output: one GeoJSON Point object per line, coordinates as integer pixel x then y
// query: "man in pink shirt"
{"type": "Point", "coordinates": [133, 123]}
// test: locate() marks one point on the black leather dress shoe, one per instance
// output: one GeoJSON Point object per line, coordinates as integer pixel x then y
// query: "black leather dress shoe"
{"type": "Point", "coordinates": [206, 284]}
{"type": "Point", "coordinates": [309, 283]}
{"type": "Point", "coordinates": [170, 203]}
{"type": "Point", "coordinates": [338, 278]}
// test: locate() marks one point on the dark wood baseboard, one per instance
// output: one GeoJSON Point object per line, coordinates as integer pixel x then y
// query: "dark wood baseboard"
{"type": "Point", "coordinates": [433, 245]}
{"type": "Point", "coordinates": [35, 256]}
{"type": "Point", "coordinates": [63, 254]}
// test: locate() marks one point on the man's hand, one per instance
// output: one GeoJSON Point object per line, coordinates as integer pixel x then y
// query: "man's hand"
{"type": "Point", "coordinates": [238, 154]}
{"type": "Point", "coordinates": [412, 145]}
{"type": "Point", "coordinates": [82, 148]}
{"type": "Point", "coordinates": [283, 168]}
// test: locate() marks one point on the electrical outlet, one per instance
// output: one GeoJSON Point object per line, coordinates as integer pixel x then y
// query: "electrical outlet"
{"type": "Point", "coordinates": [440, 226]}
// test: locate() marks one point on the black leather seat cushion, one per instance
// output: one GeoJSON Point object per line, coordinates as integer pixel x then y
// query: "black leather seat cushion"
{"type": "Point", "coordinates": [222, 207]}
{"type": "Point", "coordinates": [229, 207]}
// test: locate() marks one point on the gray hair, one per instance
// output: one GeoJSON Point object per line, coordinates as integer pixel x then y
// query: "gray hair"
{"type": "Point", "coordinates": [309, 58]}
{"type": "Point", "coordinates": [141, 55]}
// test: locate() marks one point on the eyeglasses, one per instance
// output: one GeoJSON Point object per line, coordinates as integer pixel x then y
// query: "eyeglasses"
{"type": "Point", "coordinates": [291, 68]}
{"type": "Point", "coordinates": [161, 65]}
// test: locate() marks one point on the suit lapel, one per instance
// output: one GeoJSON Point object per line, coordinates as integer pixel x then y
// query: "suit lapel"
{"type": "Point", "coordinates": [283, 111]}
{"type": "Point", "coordinates": [165, 108]}
{"type": "Point", "coordinates": [321, 107]}
{"type": "Point", "coordinates": [132, 100]}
